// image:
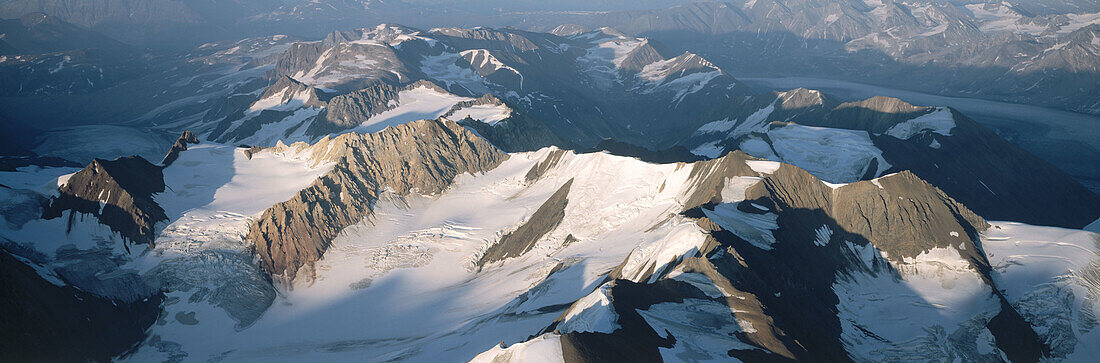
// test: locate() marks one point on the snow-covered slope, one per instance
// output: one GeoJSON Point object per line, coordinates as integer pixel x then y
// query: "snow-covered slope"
{"type": "Point", "coordinates": [418, 254]}
{"type": "Point", "coordinates": [557, 254]}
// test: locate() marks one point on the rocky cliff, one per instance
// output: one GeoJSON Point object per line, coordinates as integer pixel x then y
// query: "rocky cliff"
{"type": "Point", "coordinates": [420, 157]}
{"type": "Point", "coordinates": [118, 192]}
{"type": "Point", "coordinates": [783, 295]}
{"type": "Point", "coordinates": [187, 138]}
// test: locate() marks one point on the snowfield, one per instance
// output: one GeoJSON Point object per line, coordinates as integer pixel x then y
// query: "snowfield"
{"type": "Point", "coordinates": [414, 264]}
{"type": "Point", "coordinates": [406, 284]}
{"type": "Point", "coordinates": [412, 105]}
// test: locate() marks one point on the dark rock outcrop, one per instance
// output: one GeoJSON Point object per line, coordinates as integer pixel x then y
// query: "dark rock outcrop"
{"type": "Point", "coordinates": [542, 167]}
{"type": "Point", "coordinates": [118, 192]}
{"type": "Point", "coordinates": [787, 292]}
{"type": "Point", "coordinates": [521, 240]}
{"type": "Point", "coordinates": [993, 177]}
{"type": "Point", "coordinates": [423, 157]}
{"type": "Point", "coordinates": [352, 109]}
{"type": "Point", "coordinates": [899, 214]}
{"type": "Point", "coordinates": [187, 138]}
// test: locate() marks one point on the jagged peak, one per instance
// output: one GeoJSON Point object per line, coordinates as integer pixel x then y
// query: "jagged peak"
{"type": "Point", "coordinates": [336, 37]}
{"type": "Point", "coordinates": [901, 213]}
{"type": "Point", "coordinates": [186, 138]}
{"type": "Point", "coordinates": [118, 192]}
{"type": "Point", "coordinates": [421, 156]}
{"type": "Point", "coordinates": [801, 98]}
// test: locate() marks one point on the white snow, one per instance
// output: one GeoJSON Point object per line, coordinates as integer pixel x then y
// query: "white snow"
{"type": "Point", "coordinates": [490, 114]}
{"type": "Point", "coordinates": [763, 167]}
{"type": "Point", "coordinates": [935, 295]}
{"type": "Point", "coordinates": [757, 147]}
{"type": "Point", "coordinates": [444, 69]}
{"type": "Point", "coordinates": [415, 104]}
{"type": "Point", "coordinates": [604, 59]}
{"type": "Point", "coordinates": [757, 122]}
{"type": "Point", "coordinates": [82, 143]}
{"type": "Point", "coordinates": [716, 126]}
{"type": "Point", "coordinates": [660, 76]}
{"type": "Point", "coordinates": [940, 121]}
{"type": "Point", "coordinates": [346, 62]}
{"type": "Point", "coordinates": [214, 191]}
{"type": "Point", "coordinates": [484, 61]}
{"type": "Point", "coordinates": [593, 313]}
{"type": "Point", "coordinates": [1049, 275]}
{"type": "Point", "coordinates": [281, 101]}
{"type": "Point", "coordinates": [271, 133]}
{"type": "Point", "coordinates": [833, 155]}
{"type": "Point", "coordinates": [754, 228]}
{"type": "Point", "coordinates": [703, 330]}
{"type": "Point", "coordinates": [41, 180]}
{"type": "Point", "coordinates": [412, 262]}
{"type": "Point", "coordinates": [1000, 18]}
{"type": "Point", "coordinates": [544, 348]}
{"type": "Point", "coordinates": [700, 281]}
{"type": "Point", "coordinates": [1078, 21]}
{"type": "Point", "coordinates": [822, 236]}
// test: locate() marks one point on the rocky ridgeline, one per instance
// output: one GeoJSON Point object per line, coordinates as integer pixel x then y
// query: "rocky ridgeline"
{"type": "Point", "coordinates": [187, 138]}
{"type": "Point", "coordinates": [419, 157]}
{"type": "Point", "coordinates": [786, 292]}
{"type": "Point", "coordinates": [118, 192]}
{"type": "Point", "coordinates": [993, 177]}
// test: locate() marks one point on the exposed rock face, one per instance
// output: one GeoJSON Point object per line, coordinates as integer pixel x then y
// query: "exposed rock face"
{"type": "Point", "coordinates": [490, 39]}
{"type": "Point", "coordinates": [187, 138]}
{"type": "Point", "coordinates": [900, 215]}
{"type": "Point", "coordinates": [118, 192]}
{"type": "Point", "coordinates": [904, 217]}
{"type": "Point", "coordinates": [286, 89]}
{"type": "Point", "coordinates": [544, 220]}
{"type": "Point", "coordinates": [38, 33]}
{"type": "Point", "coordinates": [552, 159]}
{"type": "Point", "coordinates": [337, 63]}
{"type": "Point", "coordinates": [993, 177]}
{"type": "Point", "coordinates": [875, 114]}
{"type": "Point", "coordinates": [349, 110]}
{"type": "Point", "coordinates": [642, 56]}
{"type": "Point", "coordinates": [46, 322]}
{"type": "Point", "coordinates": [786, 292]}
{"type": "Point", "coordinates": [709, 177]}
{"type": "Point", "coordinates": [422, 157]}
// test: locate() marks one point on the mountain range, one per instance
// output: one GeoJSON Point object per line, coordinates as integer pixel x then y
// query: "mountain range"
{"type": "Point", "coordinates": [605, 188]}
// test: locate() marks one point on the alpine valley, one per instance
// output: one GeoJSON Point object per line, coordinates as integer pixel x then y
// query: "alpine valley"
{"type": "Point", "coordinates": [604, 190]}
